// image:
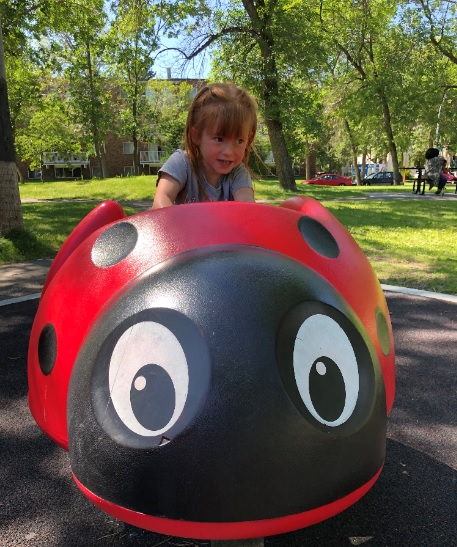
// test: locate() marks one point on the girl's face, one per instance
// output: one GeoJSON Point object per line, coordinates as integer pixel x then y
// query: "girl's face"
{"type": "Point", "coordinates": [220, 154]}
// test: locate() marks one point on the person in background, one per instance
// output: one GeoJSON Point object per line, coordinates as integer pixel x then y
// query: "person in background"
{"type": "Point", "coordinates": [220, 129]}
{"type": "Point", "coordinates": [448, 176]}
{"type": "Point", "coordinates": [433, 168]}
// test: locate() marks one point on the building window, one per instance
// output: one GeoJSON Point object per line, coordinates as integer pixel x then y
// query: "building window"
{"type": "Point", "coordinates": [67, 172]}
{"type": "Point", "coordinates": [128, 148]}
{"type": "Point", "coordinates": [128, 170]}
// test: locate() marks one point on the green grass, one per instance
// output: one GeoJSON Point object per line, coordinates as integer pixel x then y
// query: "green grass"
{"type": "Point", "coordinates": [143, 188]}
{"type": "Point", "coordinates": [409, 242]}
{"type": "Point", "coordinates": [119, 189]}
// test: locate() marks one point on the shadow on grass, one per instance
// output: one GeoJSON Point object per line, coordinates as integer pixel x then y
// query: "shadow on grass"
{"type": "Point", "coordinates": [46, 226]}
{"type": "Point", "coordinates": [21, 246]}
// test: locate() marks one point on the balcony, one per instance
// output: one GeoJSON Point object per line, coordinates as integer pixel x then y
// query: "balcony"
{"type": "Point", "coordinates": [53, 159]}
{"type": "Point", "coordinates": [153, 157]}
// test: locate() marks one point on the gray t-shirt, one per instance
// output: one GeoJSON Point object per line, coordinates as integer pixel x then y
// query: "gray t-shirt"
{"type": "Point", "coordinates": [179, 167]}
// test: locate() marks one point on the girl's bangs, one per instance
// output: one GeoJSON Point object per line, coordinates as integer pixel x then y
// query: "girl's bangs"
{"type": "Point", "coordinates": [228, 119]}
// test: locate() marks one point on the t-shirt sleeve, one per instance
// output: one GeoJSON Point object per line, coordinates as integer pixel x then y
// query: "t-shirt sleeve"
{"type": "Point", "coordinates": [240, 179]}
{"type": "Point", "coordinates": [177, 167]}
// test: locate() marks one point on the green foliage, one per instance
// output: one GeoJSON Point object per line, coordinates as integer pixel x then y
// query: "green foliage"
{"type": "Point", "coordinates": [334, 63]}
{"type": "Point", "coordinates": [50, 129]}
{"type": "Point", "coordinates": [168, 104]}
{"type": "Point", "coordinates": [131, 41]}
{"type": "Point", "coordinates": [24, 88]}
{"type": "Point", "coordinates": [82, 56]}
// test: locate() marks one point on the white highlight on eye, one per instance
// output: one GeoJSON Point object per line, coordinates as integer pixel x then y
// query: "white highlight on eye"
{"type": "Point", "coordinates": [142, 344]}
{"type": "Point", "coordinates": [140, 383]}
{"type": "Point", "coordinates": [321, 336]}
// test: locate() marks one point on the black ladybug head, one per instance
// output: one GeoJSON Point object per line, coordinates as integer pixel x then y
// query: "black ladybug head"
{"type": "Point", "coordinates": [226, 384]}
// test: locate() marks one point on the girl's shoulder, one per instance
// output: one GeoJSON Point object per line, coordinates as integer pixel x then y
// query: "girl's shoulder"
{"type": "Point", "coordinates": [179, 154]}
{"type": "Point", "coordinates": [177, 159]}
{"type": "Point", "coordinates": [239, 170]}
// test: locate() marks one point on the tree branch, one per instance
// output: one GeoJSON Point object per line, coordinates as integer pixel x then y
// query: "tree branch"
{"type": "Point", "coordinates": [208, 41]}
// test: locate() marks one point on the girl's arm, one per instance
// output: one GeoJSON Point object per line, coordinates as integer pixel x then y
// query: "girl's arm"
{"type": "Point", "coordinates": [244, 194]}
{"type": "Point", "coordinates": [167, 190]}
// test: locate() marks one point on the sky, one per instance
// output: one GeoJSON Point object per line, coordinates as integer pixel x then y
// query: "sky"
{"type": "Point", "coordinates": [196, 69]}
{"type": "Point", "coordinates": [199, 68]}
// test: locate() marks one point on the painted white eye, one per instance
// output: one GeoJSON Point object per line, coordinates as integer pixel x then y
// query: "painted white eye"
{"type": "Point", "coordinates": [148, 378]}
{"type": "Point", "coordinates": [326, 370]}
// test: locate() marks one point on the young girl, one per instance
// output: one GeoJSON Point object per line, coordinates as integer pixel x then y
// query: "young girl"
{"type": "Point", "coordinates": [220, 129]}
{"type": "Point", "coordinates": [447, 175]}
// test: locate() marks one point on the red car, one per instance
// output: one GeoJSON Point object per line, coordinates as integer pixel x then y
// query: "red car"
{"type": "Point", "coordinates": [329, 179]}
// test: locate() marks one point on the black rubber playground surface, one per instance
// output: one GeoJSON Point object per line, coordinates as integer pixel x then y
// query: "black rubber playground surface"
{"type": "Point", "coordinates": [414, 503]}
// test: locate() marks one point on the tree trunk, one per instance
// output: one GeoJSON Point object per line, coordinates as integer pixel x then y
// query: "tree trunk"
{"type": "Point", "coordinates": [98, 154]}
{"type": "Point", "coordinates": [20, 176]}
{"type": "Point", "coordinates": [271, 95]}
{"type": "Point", "coordinates": [283, 164]}
{"type": "Point", "coordinates": [353, 152]}
{"type": "Point", "coordinates": [136, 156]}
{"type": "Point", "coordinates": [364, 161]}
{"type": "Point", "coordinates": [10, 201]}
{"type": "Point", "coordinates": [390, 138]}
{"type": "Point", "coordinates": [311, 162]}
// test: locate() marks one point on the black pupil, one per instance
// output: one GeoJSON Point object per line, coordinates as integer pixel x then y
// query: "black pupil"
{"type": "Point", "coordinates": [326, 388]}
{"type": "Point", "coordinates": [152, 396]}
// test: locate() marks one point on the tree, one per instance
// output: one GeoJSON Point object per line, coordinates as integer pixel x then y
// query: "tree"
{"type": "Point", "coordinates": [440, 18]}
{"type": "Point", "coordinates": [20, 21]}
{"type": "Point", "coordinates": [257, 33]}
{"type": "Point", "coordinates": [435, 21]}
{"type": "Point", "coordinates": [133, 38]}
{"type": "Point", "coordinates": [360, 32]}
{"type": "Point", "coordinates": [10, 201]}
{"type": "Point", "coordinates": [24, 93]}
{"type": "Point", "coordinates": [51, 128]}
{"type": "Point", "coordinates": [168, 104]}
{"type": "Point", "coordinates": [83, 51]}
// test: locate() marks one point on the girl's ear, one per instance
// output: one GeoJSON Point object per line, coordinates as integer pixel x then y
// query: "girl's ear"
{"type": "Point", "coordinates": [194, 135]}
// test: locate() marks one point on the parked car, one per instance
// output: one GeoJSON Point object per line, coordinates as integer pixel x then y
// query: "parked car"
{"type": "Point", "coordinates": [383, 177]}
{"type": "Point", "coordinates": [329, 179]}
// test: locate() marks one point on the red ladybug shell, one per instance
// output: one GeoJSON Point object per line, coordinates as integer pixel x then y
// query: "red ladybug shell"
{"type": "Point", "coordinates": [105, 264]}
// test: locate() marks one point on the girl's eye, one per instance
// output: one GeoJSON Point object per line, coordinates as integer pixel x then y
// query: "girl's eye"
{"type": "Point", "coordinates": [218, 139]}
{"type": "Point", "coordinates": [240, 141]}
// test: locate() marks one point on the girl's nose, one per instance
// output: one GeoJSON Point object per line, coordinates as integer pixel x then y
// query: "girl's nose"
{"type": "Point", "coordinates": [230, 145]}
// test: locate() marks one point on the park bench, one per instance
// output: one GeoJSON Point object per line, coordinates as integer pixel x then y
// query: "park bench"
{"type": "Point", "coordinates": [421, 181]}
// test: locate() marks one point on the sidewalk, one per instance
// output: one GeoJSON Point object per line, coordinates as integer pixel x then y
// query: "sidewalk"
{"type": "Point", "coordinates": [24, 279]}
